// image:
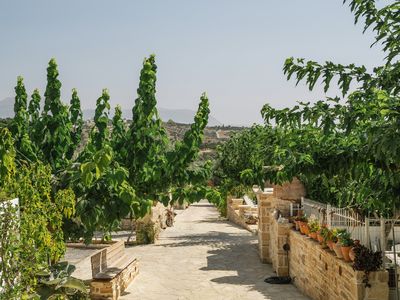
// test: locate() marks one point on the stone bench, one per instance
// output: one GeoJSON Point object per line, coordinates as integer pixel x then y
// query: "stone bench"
{"type": "Point", "coordinates": [112, 272]}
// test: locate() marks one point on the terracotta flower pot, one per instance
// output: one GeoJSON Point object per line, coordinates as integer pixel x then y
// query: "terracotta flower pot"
{"type": "Point", "coordinates": [306, 229]}
{"type": "Point", "coordinates": [338, 251]}
{"type": "Point", "coordinates": [330, 244]}
{"type": "Point", "coordinates": [352, 254]}
{"type": "Point", "coordinates": [301, 225]}
{"type": "Point", "coordinates": [313, 235]}
{"type": "Point", "coordinates": [345, 252]}
{"type": "Point", "coordinates": [320, 238]}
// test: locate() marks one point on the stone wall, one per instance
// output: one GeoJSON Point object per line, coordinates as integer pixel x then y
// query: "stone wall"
{"type": "Point", "coordinates": [112, 289]}
{"type": "Point", "coordinates": [235, 213]}
{"type": "Point", "coordinates": [264, 216]}
{"type": "Point", "coordinates": [293, 190]}
{"type": "Point", "coordinates": [321, 275]}
{"type": "Point", "coordinates": [317, 272]}
{"type": "Point", "coordinates": [279, 234]}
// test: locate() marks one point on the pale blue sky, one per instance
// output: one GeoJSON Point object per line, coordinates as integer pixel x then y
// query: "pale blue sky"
{"type": "Point", "coordinates": [234, 50]}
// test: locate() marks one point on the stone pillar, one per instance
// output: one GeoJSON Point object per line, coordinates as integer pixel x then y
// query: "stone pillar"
{"type": "Point", "coordinates": [279, 236]}
{"type": "Point", "coordinates": [264, 214]}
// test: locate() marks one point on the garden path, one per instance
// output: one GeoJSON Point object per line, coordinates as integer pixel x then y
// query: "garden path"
{"type": "Point", "coordinates": [204, 257]}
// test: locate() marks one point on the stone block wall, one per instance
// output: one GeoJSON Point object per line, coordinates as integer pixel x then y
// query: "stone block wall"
{"type": "Point", "coordinates": [290, 190]}
{"type": "Point", "coordinates": [265, 208]}
{"type": "Point", "coordinates": [279, 235]}
{"type": "Point", "coordinates": [321, 275]}
{"type": "Point", "coordinates": [234, 212]}
{"type": "Point", "coordinates": [317, 272]}
{"type": "Point", "coordinates": [112, 289]}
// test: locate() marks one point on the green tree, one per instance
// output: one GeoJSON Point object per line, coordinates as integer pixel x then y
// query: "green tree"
{"type": "Point", "coordinates": [20, 123]}
{"type": "Point", "coordinates": [76, 118]}
{"type": "Point", "coordinates": [147, 139]}
{"type": "Point", "coordinates": [119, 133]}
{"type": "Point", "coordinates": [55, 123]}
{"type": "Point", "coordinates": [34, 117]}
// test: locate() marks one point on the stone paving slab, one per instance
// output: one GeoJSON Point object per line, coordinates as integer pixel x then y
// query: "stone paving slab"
{"type": "Point", "coordinates": [203, 257]}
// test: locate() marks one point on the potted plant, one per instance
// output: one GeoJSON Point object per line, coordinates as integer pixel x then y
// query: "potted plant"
{"type": "Point", "coordinates": [329, 238]}
{"type": "Point", "coordinates": [346, 243]}
{"type": "Point", "coordinates": [324, 235]}
{"type": "Point", "coordinates": [336, 245]}
{"type": "Point", "coordinates": [314, 228]}
{"type": "Point", "coordinates": [298, 220]}
{"type": "Point", "coordinates": [303, 224]}
{"type": "Point", "coordinates": [368, 261]}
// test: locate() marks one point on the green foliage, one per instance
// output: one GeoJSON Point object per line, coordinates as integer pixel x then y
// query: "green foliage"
{"type": "Point", "coordinates": [147, 139]}
{"type": "Point", "coordinates": [75, 112]}
{"type": "Point", "coordinates": [117, 174]}
{"type": "Point", "coordinates": [119, 134]}
{"type": "Point", "coordinates": [56, 126]}
{"type": "Point", "coordinates": [34, 114]}
{"type": "Point", "coordinates": [56, 282]}
{"type": "Point", "coordinates": [20, 123]}
{"type": "Point", "coordinates": [343, 150]}
{"type": "Point", "coordinates": [36, 238]}
{"type": "Point", "coordinates": [100, 134]}
{"type": "Point", "coordinates": [7, 157]}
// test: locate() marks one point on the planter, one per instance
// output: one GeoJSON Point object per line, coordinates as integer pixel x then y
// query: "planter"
{"type": "Point", "coordinates": [313, 235]}
{"type": "Point", "coordinates": [320, 238]}
{"type": "Point", "coordinates": [345, 252]}
{"type": "Point", "coordinates": [330, 244]}
{"type": "Point", "coordinates": [338, 251]}
{"type": "Point", "coordinates": [352, 254]}
{"type": "Point", "coordinates": [303, 227]}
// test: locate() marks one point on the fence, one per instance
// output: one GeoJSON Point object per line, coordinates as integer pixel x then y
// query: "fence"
{"type": "Point", "coordinates": [368, 231]}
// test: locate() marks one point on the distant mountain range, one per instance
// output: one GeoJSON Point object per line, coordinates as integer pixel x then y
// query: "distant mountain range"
{"type": "Point", "coordinates": [184, 116]}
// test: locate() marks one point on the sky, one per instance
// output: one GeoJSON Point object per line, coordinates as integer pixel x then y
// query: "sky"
{"type": "Point", "coordinates": [232, 49]}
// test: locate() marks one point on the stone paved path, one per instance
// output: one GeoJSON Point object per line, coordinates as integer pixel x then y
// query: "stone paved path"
{"type": "Point", "coordinates": [203, 258]}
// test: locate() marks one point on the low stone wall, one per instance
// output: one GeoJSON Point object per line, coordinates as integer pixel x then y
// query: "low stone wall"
{"type": "Point", "coordinates": [321, 275]}
{"type": "Point", "coordinates": [235, 213]}
{"type": "Point", "coordinates": [318, 273]}
{"type": "Point", "coordinates": [112, 289]}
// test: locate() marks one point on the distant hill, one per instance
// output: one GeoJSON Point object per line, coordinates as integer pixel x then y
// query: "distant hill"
{"type": "Point", "coordinates": [184, 116]}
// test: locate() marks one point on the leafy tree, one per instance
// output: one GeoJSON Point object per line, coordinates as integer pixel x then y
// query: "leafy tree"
{"type": "Point", "coordinates": [76, 118]}
{"type": "Point", "coordinates": [37, 237]}
{"type": "Point", "coordinates": [55, 123]}
{"type": "Point", "coordinates": [34, 117]}
{"type": "Point", "coordinates": [147, 139]}
{"type": "Point", "coordinates": [119, 133]}
{"type": "Point", "coordinates": [20, 123]}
